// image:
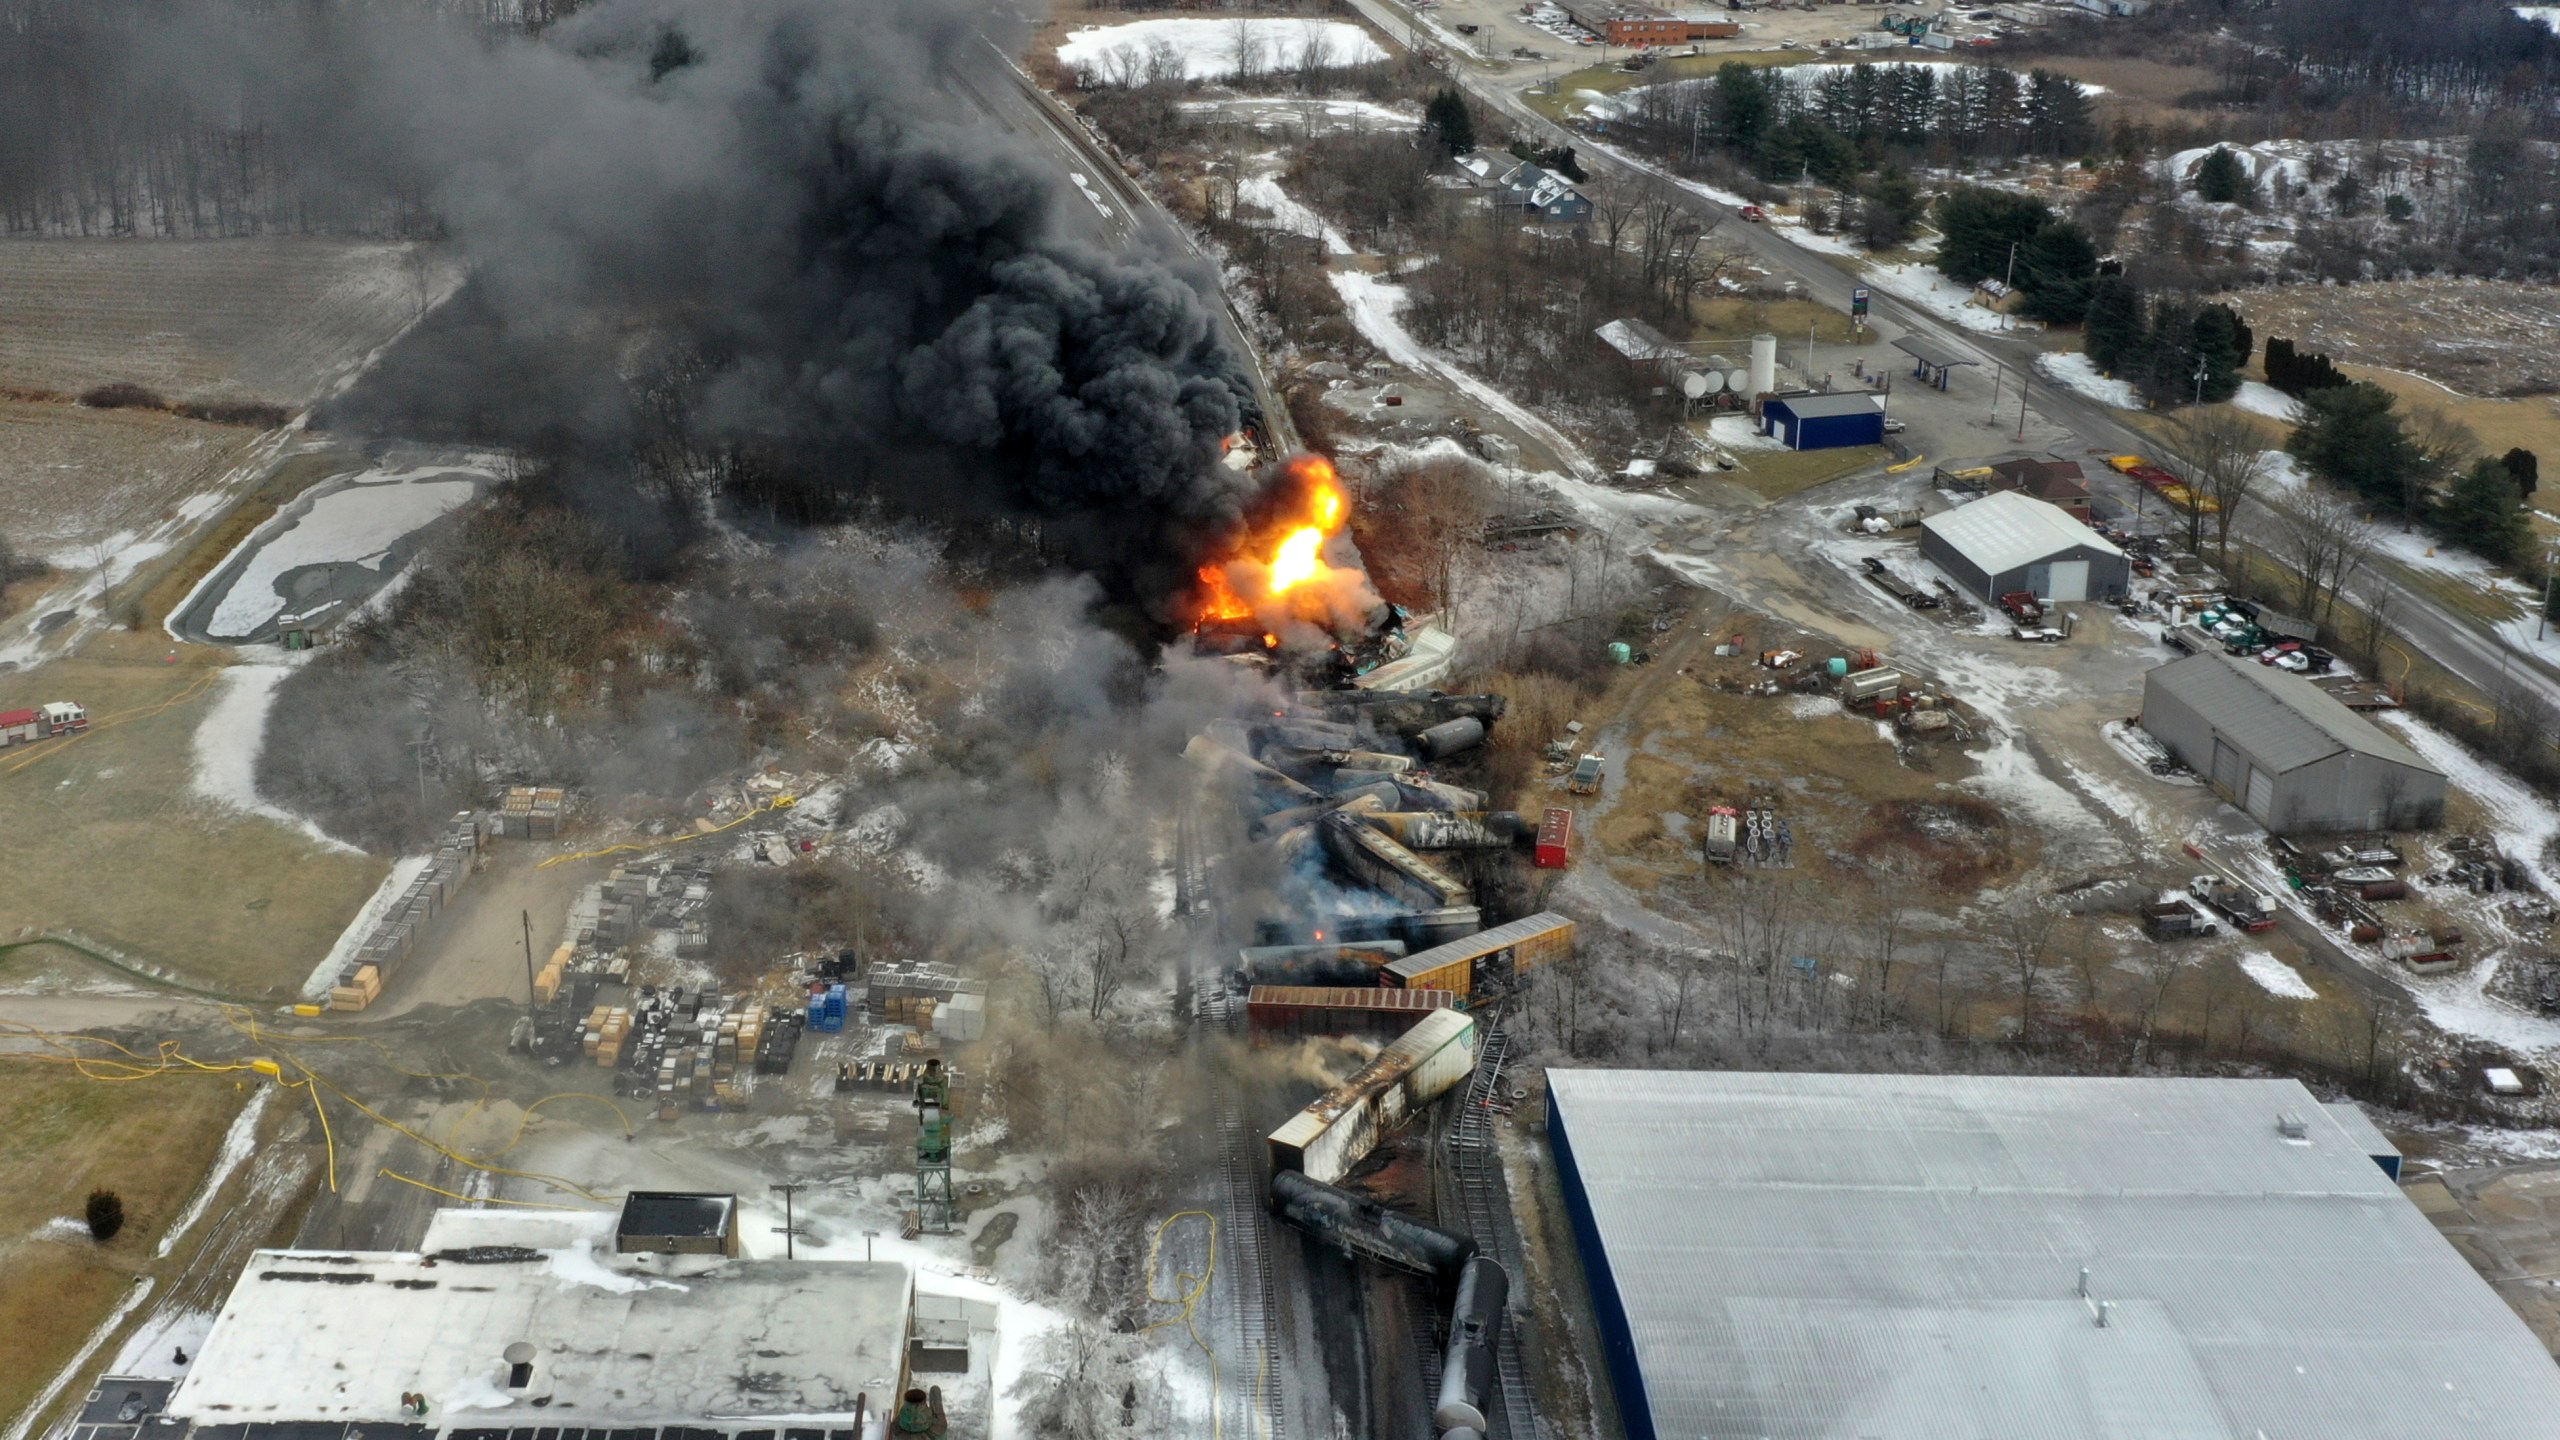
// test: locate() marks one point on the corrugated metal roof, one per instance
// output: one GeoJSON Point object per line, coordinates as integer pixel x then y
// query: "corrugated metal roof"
{"type": "Point", "coordinates": [1638, 341]}
{"type": "Point", "coordinates": [1825, 1257]}
{"type": "Point", "coordinates": [2283, 721]}
{"type": "Point", "coordinates": [2005, 530]}
{"type": "Point", "coordinates": [1815, 406]}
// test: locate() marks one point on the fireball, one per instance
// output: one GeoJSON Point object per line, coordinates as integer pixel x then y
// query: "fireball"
{"type": "Point", "coordinates": [1293, 565]}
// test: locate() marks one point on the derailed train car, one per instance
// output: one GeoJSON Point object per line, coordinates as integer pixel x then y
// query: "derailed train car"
{"type": "Point", "coordinates": [1345, 1123]}
{"type": "Point", "coordinates": [1520, 945]}
{"type": "Point", "coordinates": [1360, 1226]}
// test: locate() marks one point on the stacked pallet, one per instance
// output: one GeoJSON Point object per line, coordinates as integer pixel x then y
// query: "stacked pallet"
{"type": "Point", "coordinates": [395, 936]}
{"type": "Point", "coordinates": [554, 974]}
{"type": "Point", "coordinates": [529, 812]}
{"type": "Point", "coordinates": [606, 1029]}
{"type": "Point", "coordinates": [362, 989]}
{"type": "Point", "coordinates": [915, 1010]}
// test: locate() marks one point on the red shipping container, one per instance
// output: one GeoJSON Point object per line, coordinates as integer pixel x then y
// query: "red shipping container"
{"type": "Point", "coordinates": [1555, 840]}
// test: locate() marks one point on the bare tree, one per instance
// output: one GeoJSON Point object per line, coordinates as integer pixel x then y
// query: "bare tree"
{"type": "Point", "coordinates": [2443, 447]}
{"type": "Point", "coordinates": [2224, 463]}
{"type": "Point", "coordinates": [2024, 932]}
{"type": "Point", "coordinates": [2161, 968]}
{"type": "Point", "coordinates": [2326, 540]}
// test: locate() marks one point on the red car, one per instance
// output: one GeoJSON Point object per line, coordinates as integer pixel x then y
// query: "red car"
{"type": "Point", "coordinates": [2270, 655]}
{"type": "Point", "coordinates": [1753, 213]}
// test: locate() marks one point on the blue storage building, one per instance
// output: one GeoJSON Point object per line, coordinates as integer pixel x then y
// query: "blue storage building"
{"type": "Point", "coordinates": [1811, 420]}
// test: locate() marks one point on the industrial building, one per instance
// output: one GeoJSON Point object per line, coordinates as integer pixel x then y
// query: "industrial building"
{"type": "Point", "coordinates": [1823, 420]}
{"type": "Point", "coordinates": [2286, 751]}
{"type": "Point", "coordinates": [502, 1316]}
{"type": "Point", "coordinates": [2028, 1258]}
{"type": "Point", "coordinates": [2006, 543]}
{"type": "Point", "coordinates": [1621, 23]}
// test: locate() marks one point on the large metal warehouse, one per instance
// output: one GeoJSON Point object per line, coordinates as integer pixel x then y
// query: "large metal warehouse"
{"type": "Point", "coordinates": [2285, 750]}
{"type": "Point", "coordinates": [1918, 1257]}
{"type": "Point", "coordinates": [1824, 421]}
{"type": "Point", "coordinates": [2008, 542]}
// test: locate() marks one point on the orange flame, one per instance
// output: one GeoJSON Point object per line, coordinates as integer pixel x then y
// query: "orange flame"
{"type": "Point", "coordinates": [1298, 557]}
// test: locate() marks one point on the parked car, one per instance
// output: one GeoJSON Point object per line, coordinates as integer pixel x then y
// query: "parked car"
{"type": "Point", "coordinates": [2274, 654]}
{"type": "Point", "coordinates": [1893, 426]}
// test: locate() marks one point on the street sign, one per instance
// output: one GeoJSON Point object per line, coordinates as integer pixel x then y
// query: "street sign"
{"type": "Point", "coordinates": [1858, 301]}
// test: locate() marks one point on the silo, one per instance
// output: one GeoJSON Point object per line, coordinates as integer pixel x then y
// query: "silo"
{"type": "Point", "coordinates": [1764, 364]}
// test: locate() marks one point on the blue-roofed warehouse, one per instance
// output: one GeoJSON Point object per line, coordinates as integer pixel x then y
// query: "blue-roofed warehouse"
{"type": "Point", "coordinates": [1823, 421]}
{"type": "Point", "coordinates": [1919, 1257]}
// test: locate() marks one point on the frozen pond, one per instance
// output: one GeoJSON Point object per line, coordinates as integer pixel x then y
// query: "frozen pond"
{"type": "Point", "coordinates": [330, 549]}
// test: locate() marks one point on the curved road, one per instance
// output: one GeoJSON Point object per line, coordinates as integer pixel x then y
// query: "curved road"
{"type": "Point", "coordinates": [2445, 635]}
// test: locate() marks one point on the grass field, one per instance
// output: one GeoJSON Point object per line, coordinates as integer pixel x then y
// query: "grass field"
{"type": "Point", "coordinates": [1777, 474]}
{"type": "Point", "coordinates": [149, 1141]}
{"type": "Point", "coordinates": [71, 477]}
{"type": "Point", "coordinates": [132, 856]}
{"type": "Point", "coordinates": [266, 319]}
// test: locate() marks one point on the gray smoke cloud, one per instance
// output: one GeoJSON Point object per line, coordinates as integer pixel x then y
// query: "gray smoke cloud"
{"type": "Point", "coordinates": [767, 246]}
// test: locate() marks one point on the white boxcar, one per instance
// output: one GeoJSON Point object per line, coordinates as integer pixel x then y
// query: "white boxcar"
{"type": "Point", "coordinates": [1345, 1123]}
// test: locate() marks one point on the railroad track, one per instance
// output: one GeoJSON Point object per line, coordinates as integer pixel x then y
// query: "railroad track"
{"type": "Point", "coordinates": [1484, 1199]}
{"type": "Point", "coordinates": [1258, 1370]}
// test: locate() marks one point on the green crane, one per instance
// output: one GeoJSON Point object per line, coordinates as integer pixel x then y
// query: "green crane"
{"type": "Point", "coordinates": [933, 1148]}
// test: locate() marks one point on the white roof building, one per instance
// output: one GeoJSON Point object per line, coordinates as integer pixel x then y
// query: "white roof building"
{"type": "Point", "coordinates": [2007, 542]}
{"type": "Point", "coordinates": [1946, 1257]}
{"type": "Point", "coordinates": [615, 1340]}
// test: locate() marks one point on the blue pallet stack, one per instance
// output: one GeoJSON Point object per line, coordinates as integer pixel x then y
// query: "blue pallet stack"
{"type": "Point", "coordinates": [827, 1010]}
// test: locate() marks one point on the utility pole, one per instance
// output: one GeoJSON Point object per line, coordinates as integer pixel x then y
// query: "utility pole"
{"type": "Point", "coordinates": [790, 1227]}
{"type": "Point", "coordinates": [2022, 404]}
{"type": "Point", "coordinates": [528, 975]}
{"type": "Point", "coordinates": [2203, 368]}
{"type": "Point", "coordinates": [1998, 375]}
{"type": "Point", "coordinates": [2542, 625]}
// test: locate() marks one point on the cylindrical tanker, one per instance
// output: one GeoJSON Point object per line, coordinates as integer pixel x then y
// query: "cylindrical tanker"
{"type": "Point", "coordinates": [1470, 1368]}
{"type": "Point", "coordinates": [1450, 736]}
{"type": "Point", "coordinates": [1362, 1227]}
{"type": "Point", "coordinates": [1451, 829]}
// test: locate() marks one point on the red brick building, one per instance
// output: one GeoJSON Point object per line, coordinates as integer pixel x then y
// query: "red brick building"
{"type": "Point", "coordinates": [1629, 24]}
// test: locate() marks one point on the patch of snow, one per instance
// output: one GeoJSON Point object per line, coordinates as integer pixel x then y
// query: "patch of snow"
{"type": "Point", "coordinates": [578, 1265]}
{"type": "Point", "coordinates": [2546, 16]}
{"type": "Point", "coordinates": [2267, 400]}
{"type": "Point", "coordinates": [1289, 215]}
{"type": "Point", "coordinates": [1922, 285]}
{"type": "Point", "coordinates": [2276, 977]}
{"type": "Point", "coordinates": [1208, 48]}
{"type": "Point", "coordinates": [63, 1227]}
{"type": "Point", "coordinates": [1736, 432]}
{"type": "Point", "coordinates": [354, 525]}
{"type": "Point", "coordinates": [229, 739]}
{"type": "Point", "coordinates": [1811, 707]}
{"type": "Point", "coordinates": [236, 1144]}
{"type": "Point", "coordinates": [1373, 304]}
{"type": "Point", "coordinates": [152, 1353]}
{"type": "Point", "coordinates": [350, 940]}
{"type": "Point", "coordinates": [2077, 373]}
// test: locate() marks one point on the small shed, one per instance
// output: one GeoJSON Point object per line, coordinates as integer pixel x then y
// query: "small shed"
{"type": "Point", "coordinates": [2058, 483]}
{"type": "Point", "coordinates": [2285, 751]}
{"type": "Point", "coordinates": [1824, 421]}
{"type": "Point", "coordinates": [2007, 542]}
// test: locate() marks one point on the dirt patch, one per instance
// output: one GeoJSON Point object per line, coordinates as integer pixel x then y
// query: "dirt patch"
{"type": "Point", "coordinates": [72, 477]}
{"type": "Point", "coordinates": [1960, 843]}
{"type": "Point", "coordinates": [1777, 474]}
{"type": "Point", "coordinates": [151, 1142]}
{"type": "Point", "coordinates": [230, 902]}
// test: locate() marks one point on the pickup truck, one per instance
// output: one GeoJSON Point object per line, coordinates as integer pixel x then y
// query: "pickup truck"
{"type": "Point", "coordinates": [2249, 909]}
{"type": "Point", "coordinates": [1587, 773]}
{"type": "Point", "coordinates": [1754, 214]}
{"type": "Point", "coordinates": [2023, 607]}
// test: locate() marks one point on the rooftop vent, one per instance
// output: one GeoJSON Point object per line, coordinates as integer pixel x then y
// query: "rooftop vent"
{"type": "Point", "coordinates": [519, 1365]}
{"type": "Point", "coordinates": [2292, 1126]}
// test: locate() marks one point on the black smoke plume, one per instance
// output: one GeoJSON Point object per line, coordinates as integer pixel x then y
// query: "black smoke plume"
{"type": "Point", "coordinates": [768, 251]}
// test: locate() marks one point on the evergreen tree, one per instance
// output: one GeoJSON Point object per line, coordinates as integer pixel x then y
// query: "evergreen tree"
{"type": "Point", "coordinates": [1447, 116]}
{"type": "Point", "coordinates": [2221, 179]}
{"type": "Point", "coordinates": [2482, 513]}
{"type": "Point", "coordinates": [2056, 267]}
{"type": "Point", "coordinates": [2114, 333]}
{"type": "Point", "coordinates": [1744, 111]}
{"type": "Point", "coordinates": [2280, 363]}
{"type": "Point", "coordinates": [1979, 228]}
{"type": "Point", "coordinates": [105, 1214]}
{"type": "Point", "coordinates": [2222, 341]}
{"type": "Point", "coordinates": [2166, 371]}
{"type": "Point", "coordinates": [1888, 210]}
{"type": "Point", "coordinates": [2349, 434]}
{"type": "Point", "coordinates": [2523, 467]}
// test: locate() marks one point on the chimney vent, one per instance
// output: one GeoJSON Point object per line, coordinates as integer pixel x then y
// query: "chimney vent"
{"type": "Point", "coordinates": [2292, 1126]}
{"type": "Point", "coordinates": [519, 1365]}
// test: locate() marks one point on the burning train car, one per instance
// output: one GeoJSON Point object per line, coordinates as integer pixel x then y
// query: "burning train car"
{"type": "Point", "coordinates": [1329, 1137]}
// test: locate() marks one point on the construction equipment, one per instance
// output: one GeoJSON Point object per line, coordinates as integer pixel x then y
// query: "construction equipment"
{"type": "Point", "coordinates": [2249, 908]}
{"type": "Point", "coordinates": [933, 1149]}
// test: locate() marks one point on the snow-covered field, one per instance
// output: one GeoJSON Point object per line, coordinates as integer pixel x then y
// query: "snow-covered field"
{"type": "Point", "coordinates": [1287, 214]}
{"type": "Point", "coordinates": [229, 738]}
{"type": "Point", "coordinates": [357, 524]}
{"type": "Point", "coordinates": [2276, 977]}
{"type": "Point", "coordinates": [1217, 49]}
{"type": "Point", "coordinates": [2075, 372]}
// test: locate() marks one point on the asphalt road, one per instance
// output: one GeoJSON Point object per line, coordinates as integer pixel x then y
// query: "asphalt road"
{"type": "Point", "coordinates": [2445, 635]}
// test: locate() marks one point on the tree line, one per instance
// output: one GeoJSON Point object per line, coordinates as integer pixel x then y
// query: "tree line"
{"type": "Point", "coordinates": [1837, 124]}
{"type": "Point", "coordinates": [2174, 349]}
{"type": "Point", "coordinates": [2418, 466]}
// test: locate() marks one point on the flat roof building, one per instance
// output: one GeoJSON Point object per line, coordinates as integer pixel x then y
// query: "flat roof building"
{"type": "Point", "coordinates": [2005, 543]}
{"type": "Point", "coordinates": [2285, 750]}
{"type": "Point", "coordinates": [508, 1319]}
{"type": "Point", "coordinates": [1923, 1257]}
